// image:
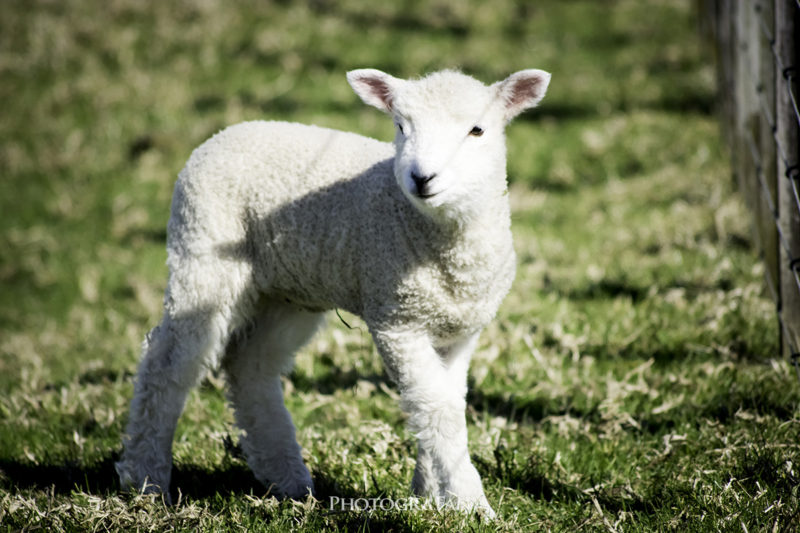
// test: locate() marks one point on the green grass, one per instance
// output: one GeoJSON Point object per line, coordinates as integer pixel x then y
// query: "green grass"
{"type": "Point", "coordinates": [632, 379]}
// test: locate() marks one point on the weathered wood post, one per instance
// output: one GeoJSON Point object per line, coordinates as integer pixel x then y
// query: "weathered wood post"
{"type": "Point", "coordinates": [786, 135]}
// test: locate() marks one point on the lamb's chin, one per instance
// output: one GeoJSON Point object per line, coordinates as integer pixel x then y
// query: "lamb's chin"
{"type": "Point", "coordinates": [432, 205]}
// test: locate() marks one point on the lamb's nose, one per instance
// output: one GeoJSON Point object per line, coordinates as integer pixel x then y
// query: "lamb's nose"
{"type": "Point", "coordinates": [420, 181]}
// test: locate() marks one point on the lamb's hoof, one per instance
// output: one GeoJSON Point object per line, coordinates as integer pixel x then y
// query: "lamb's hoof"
{"type": "Point", "coordinates": [294, 490]}
{"type": "Point", "coordinates": [486, 513]}
{"type": "Point", "coordinates": [129, 481]}
{"type": "Point", "coordinates": [301, 492]}
{"type": "Point", "coordinates": [478, 505]}
{"type": "Point", "coordinates": [482, 508]}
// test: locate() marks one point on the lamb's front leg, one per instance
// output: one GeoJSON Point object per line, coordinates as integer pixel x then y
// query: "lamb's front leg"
{"type": "Point", "coordinates": [433, 388]}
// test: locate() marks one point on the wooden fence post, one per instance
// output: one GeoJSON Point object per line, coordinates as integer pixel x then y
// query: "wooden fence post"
{"type": "Point", "coordinates": [787, 124]}
{"type": "Point", "coordinates": [756, 45]}
{"type": "Point", "coordinates": [765, 87]}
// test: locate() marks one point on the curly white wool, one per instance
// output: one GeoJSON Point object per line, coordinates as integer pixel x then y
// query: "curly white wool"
{"type": "Point", "coordinates": [273, 223]}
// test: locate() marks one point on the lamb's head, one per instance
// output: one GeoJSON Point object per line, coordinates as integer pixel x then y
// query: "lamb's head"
{"type": "Point", "coordinates": [450, 139]}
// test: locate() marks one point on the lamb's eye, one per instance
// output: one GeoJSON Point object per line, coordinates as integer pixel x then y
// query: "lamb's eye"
{"type": "Point", "coordinates": [400, 127]}
{"type": "Point", "coordinates": [477, 131]}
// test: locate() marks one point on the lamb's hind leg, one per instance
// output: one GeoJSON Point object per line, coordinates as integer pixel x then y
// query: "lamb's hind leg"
{"type": "Point", "coordinates": [254, 366]}
{"type": "Point", "coordinates": [205, 300]}
{"type": "Point", "coordinates": [175, 354]}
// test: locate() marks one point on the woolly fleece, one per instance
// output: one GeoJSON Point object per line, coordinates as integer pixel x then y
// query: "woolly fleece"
{"type": "Point", "coordinates": [273, 223]}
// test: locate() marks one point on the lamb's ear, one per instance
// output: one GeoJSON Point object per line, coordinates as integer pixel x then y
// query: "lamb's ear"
{"type": "Point", "coordinates": [522, 90]}
{"type": "Point", "coordinates": [374, 87]}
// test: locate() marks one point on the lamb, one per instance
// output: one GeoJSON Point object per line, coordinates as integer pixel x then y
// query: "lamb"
{"type": "Point", "coordinates": [274, 223]}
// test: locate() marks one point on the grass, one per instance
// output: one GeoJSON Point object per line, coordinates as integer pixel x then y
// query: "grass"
{"type": "Point", "coordinates": [632, 379]}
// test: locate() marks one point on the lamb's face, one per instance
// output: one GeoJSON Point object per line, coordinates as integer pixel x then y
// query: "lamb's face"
{"type": "Point", "coordinates": [450, 143]}
{"type": "Point", "coordinates": [450, 134]}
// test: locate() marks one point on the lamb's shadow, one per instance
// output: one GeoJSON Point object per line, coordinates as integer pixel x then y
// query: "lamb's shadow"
{"type": "Point", "coordinates": [231, 476]}
{"type": "Point", "coordinates": [336, 379]}
{"type": "Point", "coordinates": [61, 478]}
{"type": "Point", "coordinates": [188, 481]}
{"type": "Point", "coordinates": [524, 410]}
{"type": "Point", "coordinates": [325, 254]}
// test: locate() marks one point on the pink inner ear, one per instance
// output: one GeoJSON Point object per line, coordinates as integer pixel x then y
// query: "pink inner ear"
{"type": "Point", "coordinates": [381, 90]}
{"type": "Point", "coordinates": [523, 91]}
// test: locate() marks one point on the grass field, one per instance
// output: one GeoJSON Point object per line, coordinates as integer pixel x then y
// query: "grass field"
{"type": "Point", "coordinates": [632, 379]}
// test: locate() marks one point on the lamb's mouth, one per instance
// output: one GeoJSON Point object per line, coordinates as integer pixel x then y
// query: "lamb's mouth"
{"type": "Point", "coordinates": [425, 196]}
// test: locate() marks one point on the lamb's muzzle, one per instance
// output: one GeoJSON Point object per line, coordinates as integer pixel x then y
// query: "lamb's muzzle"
{"type": "Point", "coordinates": [421, 183]}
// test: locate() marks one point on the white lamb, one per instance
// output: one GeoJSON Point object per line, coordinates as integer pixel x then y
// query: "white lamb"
{"type": "Point", "coordinates": [274, 223]}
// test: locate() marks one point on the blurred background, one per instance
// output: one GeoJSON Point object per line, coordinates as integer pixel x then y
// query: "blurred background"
{"type": "Point", "coordinates": [104, 101]}
{"type": "Point", "coordinates": [637, 341]}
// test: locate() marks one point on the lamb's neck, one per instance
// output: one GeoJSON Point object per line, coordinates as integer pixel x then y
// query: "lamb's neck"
{"type": "Point", "coordinates": [484, 236]}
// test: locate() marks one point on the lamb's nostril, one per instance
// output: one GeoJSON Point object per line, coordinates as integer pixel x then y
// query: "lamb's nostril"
{"type": "Point", "coordinates": [420, 181]}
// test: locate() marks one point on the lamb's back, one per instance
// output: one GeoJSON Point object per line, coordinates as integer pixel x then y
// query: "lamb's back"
{"type": "Point", "coordinates": [275, 162]}
{"type": "Point", "coordinates": [289, 199]}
